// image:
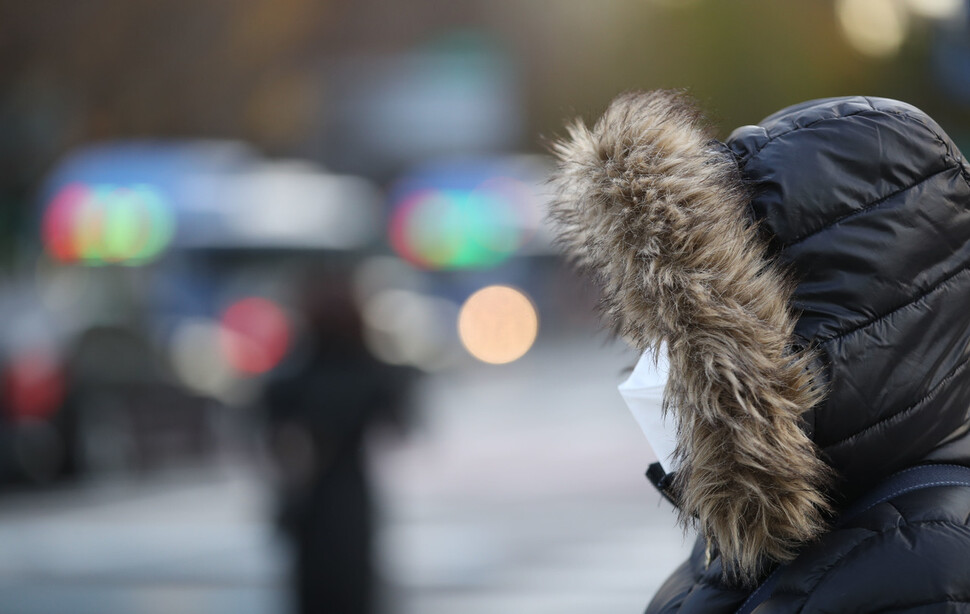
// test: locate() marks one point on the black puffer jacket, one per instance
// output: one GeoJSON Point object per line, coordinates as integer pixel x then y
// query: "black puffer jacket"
{"type": "Point", "coordinates": [811, 279]}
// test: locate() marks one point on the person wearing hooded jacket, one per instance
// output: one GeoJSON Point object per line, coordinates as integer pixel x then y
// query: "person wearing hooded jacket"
{"type": "Point", "coordinates": [810, 281]}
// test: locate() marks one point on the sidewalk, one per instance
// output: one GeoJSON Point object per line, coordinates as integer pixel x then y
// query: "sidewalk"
{"type": "Point", "coordinates": [520, 492]}
{"type": "Point", "coordinates": [525, 493]}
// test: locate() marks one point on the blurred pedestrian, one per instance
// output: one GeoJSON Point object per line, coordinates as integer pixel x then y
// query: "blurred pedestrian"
{"type": "Point", "coordinates": [320, 406]}
{"type": "Point", "coordinates": [808, 282]}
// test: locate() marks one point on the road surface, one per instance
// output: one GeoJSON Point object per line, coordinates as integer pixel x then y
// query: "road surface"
{"type": "Point", "coordinates": [521, 490]}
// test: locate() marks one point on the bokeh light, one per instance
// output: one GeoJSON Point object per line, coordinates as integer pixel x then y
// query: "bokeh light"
{"type": "Point", "coordinates": [937, 9]}
{"type": "Point", "coordinates": [874, 27]}
{"type": "Point", "coordinates": [100, 224]}
{"type": "Point", "coordinates": [255, 335]}
{"type": "Point", "coordinates": [33, 385]}
{"type": "Point", "coordinates": [195, 350]}
{"type": "Point", "coordinates": [498, 324]}
{"type": "Point", "coordinates": [408, 328]}
{"type": "Point", "coordinates": [462, 216]}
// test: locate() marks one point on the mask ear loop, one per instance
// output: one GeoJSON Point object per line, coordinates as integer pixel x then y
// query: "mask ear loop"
{"type": "Point", "coordinates": [663, 482]}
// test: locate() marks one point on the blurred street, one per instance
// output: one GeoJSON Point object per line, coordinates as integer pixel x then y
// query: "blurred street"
{"type": "Point", "coordinates": [281, 298]}
{"type": "Point", "coordinates": [520, 490]}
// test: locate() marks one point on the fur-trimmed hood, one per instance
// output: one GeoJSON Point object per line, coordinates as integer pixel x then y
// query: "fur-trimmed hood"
{"type": "Point", "coordinates": [699, 245]}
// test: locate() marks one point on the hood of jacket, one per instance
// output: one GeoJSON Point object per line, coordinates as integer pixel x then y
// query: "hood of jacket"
{"type": "Point", "coordinates": [810, 278]}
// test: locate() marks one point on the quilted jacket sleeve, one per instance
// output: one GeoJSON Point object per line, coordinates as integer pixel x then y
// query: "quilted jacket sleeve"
{"type": "Point", "coordinates": [911, 554]}
{"type": "Point", "coordinates": [695, 587]}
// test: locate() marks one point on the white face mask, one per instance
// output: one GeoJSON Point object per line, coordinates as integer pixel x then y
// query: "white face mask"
{"type": "Point", "coordinates": [643, 392]}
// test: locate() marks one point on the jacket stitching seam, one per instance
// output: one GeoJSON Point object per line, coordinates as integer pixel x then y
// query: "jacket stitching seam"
{"type": "Point", "coordinates": [872, 110]}
{"type": "Point", "coordinates": [897, 510]}
{"type": "Point", "coordinates": [866, 207]}
{"type": "Point", "coordinates": [909, 489]}
{"type": "Point", "coordinates": [772, 139]}
{"type": "Point", "coordinates": [838, 561]}
{"type": "Point", "coordinates": [917, 604]}
{"type": "Point", "coordinates": [909, 302]}
{"type": "Point", "coordinates": [875, 534]}
{"type": "Point", "coordinates": [947, 154]}
{"type": "Point", "coordinates": [946, 378]}
{"type": "Point", "coordinates": [964, 171]}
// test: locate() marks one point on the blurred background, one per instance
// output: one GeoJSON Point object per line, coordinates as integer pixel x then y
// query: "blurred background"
{"type": "Point", "coordinates": [283, 327]}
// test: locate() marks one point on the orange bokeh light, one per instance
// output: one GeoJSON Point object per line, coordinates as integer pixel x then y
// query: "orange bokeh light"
{"type": "Point", "coordinates": [498, 324]}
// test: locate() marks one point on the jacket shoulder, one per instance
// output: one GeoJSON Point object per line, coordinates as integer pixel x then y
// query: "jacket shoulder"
{"type": "Point", "coordinates": [697, 588]}
{"type": "Point", "coordinates": [905, 555]}
{"type": "Point", "coordinates": [909, 554]}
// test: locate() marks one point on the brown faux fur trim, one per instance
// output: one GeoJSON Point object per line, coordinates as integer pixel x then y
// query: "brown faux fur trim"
{"type": "Point", "coordinates": [656, 210]}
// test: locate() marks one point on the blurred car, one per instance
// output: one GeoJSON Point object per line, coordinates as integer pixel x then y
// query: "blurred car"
{"type": "Point", "coordinates": [78, 395]}
{"type": "Point", "coordinates": [159, 299]}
